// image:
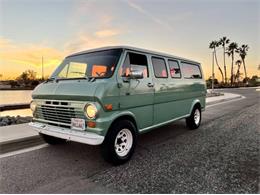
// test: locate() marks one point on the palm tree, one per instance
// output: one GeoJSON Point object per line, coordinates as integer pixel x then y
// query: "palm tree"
{"type": "Point", "coordinates": [238, 63]}
{"type": "Point", "coordinates": [243, 52]}
{"type": "Point", "coordinates": [223, 41]}
{"type": "Point", "coordinates": [213, 45]}
{"type": "Point", "coordinates": [232, 47]}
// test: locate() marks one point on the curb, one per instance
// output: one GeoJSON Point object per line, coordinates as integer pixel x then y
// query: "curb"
{"type": "Point", "coordinates": [18, 144]}
{"type": "Point", "coordinates": [224, 100]}
{"type": "Point", "coordinates": [5, 107]}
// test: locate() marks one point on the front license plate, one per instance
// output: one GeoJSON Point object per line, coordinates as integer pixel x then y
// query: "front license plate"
{"type": "Point", "coordinates": [78, 124]}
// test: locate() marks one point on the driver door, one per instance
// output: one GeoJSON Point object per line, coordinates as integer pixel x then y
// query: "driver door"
{"type": "Point", "coordinates": [137, 95]}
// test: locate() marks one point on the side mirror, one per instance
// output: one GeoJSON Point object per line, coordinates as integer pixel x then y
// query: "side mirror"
{"type": "Point", "coordinates": [136, 74]}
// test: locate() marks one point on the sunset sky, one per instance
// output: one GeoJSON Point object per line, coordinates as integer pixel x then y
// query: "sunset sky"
{"type": "Point", "coordinates": [30, 29]}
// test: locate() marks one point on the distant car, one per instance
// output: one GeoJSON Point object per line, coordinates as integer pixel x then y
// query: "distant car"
{"type": "Point", "coordinates": [107, 96]}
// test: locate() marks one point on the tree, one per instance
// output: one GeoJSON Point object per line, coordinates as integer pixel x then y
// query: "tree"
{"type": "Point", "coordinates": [231, 51]}
{"type": "Point", "coordinates": [209, 82]}
{"type": "Point", "coordinates": [27, 76]}
{"type": "Point", "coordinates": [242, 51]}
{"type": "Point", "coordinates": [254, 81]}
{"type": "Point", "coordinates": [213, 45]}
{"type": "Point", "coordinates": [237, 75]}
{"type": "Point", "coordinates": [14, 84]}
{"type": "Point", "coordinates": [223, 41]}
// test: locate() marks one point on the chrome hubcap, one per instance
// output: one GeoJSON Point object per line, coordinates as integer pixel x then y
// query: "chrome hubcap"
{"type": "Point", "coordinates": [123, 142]}
{"type": "Point", "coordinates": [197, 116]}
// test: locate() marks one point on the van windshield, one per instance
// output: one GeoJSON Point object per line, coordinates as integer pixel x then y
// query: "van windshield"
{"type": "Point", "coordinates": [100, 64]}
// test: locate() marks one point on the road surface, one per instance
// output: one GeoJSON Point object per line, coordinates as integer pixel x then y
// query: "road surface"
{"type": "Point", "coordinates": [222, 156]}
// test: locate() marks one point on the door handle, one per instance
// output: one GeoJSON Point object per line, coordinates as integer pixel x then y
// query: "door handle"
{"type": "Point", "coordinates": [150, 84]}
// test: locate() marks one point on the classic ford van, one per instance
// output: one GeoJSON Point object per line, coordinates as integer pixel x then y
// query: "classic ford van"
{"type": "Point", "coordinates": [108, 96]}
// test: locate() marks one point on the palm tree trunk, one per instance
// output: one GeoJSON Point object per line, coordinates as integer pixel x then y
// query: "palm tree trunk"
{"type": "Point", "coordinates": [232, 66]}
{"type": "Point", "coordinates": [221, 72]}
{"type": "Point", "coordinates": [225, 68]}
{"type": "Point", "coordinates": [243, 60]}
{"type": "Point", "coordinates": [238, 73]}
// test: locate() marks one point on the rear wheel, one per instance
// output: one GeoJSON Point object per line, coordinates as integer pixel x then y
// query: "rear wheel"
{"type": "Point", "coordinates": [193, 121]}
{"type": "Point", "coordinates": [52, 140]}
{"type": "Point", "coordinates": [119, 144]}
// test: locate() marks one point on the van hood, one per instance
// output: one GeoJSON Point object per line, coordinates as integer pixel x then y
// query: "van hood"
{"type": "Point", "coordinates": [77, 90]}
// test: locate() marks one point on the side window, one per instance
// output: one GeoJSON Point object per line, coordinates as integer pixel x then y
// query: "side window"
{"type": "Point", "coordinates": [175, 70]}
{"type": "Point", "coordinates": [191, 71]}
{"type": "Point", "coordinates": [134, 61]}
{"type": "Point", "coordinates": [159, 67]}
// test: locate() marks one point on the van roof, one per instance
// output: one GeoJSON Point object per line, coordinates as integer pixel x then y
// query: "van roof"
{"type": "Point", "coordinates": [133, 49]}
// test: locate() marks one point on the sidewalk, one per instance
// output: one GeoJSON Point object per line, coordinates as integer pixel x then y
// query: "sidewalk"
{"type": "Point", "coordinates": [15, 137]}
{"type": "Point", "coordinates": [222, 98]}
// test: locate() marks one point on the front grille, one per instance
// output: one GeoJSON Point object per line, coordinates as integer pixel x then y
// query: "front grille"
{"type": "Point", "coordinates": [57, 113]}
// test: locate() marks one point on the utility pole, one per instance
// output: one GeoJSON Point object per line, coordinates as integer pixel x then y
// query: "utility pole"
{"type": "Point", "coordinates": [213, 74]}
{"type": "Point", "coordinates": [42, 70]}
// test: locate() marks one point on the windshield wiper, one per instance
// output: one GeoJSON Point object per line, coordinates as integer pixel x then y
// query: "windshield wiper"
{"type": "Point", "coordinates": [49, 79]}
{"type": "Point", "coordinates": [76, 78]}
{"type": "Point", "coordinates": [92, 79]}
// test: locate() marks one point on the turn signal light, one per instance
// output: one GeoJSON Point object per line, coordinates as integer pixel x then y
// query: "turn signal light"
{"type": "Point", "coordinates": [108, 106]}
{"type": "Point", "coordinates": [91, 124]}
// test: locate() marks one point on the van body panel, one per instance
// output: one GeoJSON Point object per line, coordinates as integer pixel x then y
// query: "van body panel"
{"type": "Point", "coordinates": [169, 101]}
{"type": "Point", "coordinates": [108, 93]}
{"type": "Point", "coordinates": [79, 90]}
{"type": "Point", "coordinates": [108, 118]}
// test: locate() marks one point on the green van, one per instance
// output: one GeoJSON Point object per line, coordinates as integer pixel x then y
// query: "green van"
{"type": "Point", "coordinates": [107, 96]}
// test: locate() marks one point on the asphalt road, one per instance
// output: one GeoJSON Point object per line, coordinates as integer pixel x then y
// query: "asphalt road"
{"type": "Point", "coordinates": [222, 156]}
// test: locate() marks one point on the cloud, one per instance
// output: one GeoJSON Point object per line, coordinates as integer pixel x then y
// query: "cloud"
{"type": "Point", "coordinates": [5, 43]}
{"type": "Point", "coordinates": [107, 33]}
{"type": "Point", "coordinates": [149, 15]}
{"type": "Point", "coordinates": [17, 57]}
{"type": "Point", "coordinates": [28, 54]}
{"type": "Point", "coordinates": [100, 29]}
{"type": "Point", "coordinates": [86, 41]}
{"type": "Point", "coordinates": [96, 14]}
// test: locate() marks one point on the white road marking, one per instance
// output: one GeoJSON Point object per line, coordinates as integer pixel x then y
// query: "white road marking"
{"type": "Point", "coordinates": [257, 89]}
{"type": "Point", "coordinates": [23, 151]}
{"type": "Point", "coordinates": [242, 97]}
{"type": "Point", "coordinates": [237, 88]}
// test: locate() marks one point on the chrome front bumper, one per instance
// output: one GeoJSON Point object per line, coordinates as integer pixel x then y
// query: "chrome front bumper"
{"type": "Point", "coordinates": [68, 134]}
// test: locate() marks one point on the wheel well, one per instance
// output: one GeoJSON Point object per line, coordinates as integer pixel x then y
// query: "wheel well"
{"type": "Point", "coordinates": [197, 105]}
{"type": "Point", "coordinates": [125, 117]}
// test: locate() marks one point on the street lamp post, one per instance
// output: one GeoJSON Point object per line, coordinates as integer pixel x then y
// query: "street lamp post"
{"type": "Point", "coordinates": [42, 70]}
{"type": "Point", "coordinates": [213, 74]}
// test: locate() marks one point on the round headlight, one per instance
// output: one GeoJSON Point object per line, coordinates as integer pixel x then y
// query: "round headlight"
{"type": "Point", "coordinates": [91, 111]}
{"type": "Point", "coordinates": [33, 106]}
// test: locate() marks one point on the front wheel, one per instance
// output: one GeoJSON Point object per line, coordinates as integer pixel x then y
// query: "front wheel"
{"type": "Point", "coordinates": [193, 121]}
{"type": "Point", "coordinates": [119, 144]}
{"type": "Point", "coordinates": [52, 140]}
